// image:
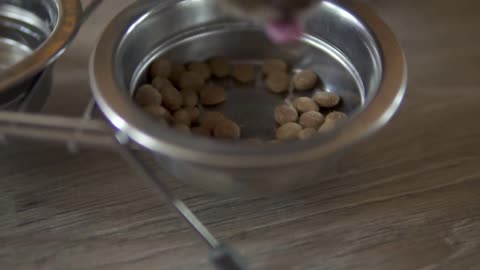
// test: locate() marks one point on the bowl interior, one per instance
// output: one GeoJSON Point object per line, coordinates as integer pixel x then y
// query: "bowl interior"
{"type": "Point", "coordinates": [251, 105]}
{"type": "Point", "coordinates": [350, 47]}
{"type": "Point", "coordinates": [337, 46]}
{"type": "Point", "coordinates": [24, 26]}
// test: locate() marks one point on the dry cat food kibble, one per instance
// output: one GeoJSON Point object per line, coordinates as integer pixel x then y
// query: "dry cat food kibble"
{"type": "Point", "coordinates": [179, 95]}
{"type": "Point", "coordinates": [288, 131]}
{"type": "Point", "coordinates": [191, 80]}
{"type": "Point", "coordinates": [210, 119]}
{"type": "Point", "coordinates": [278, 81]}
{"type": "Point", "coordinates": [201, 69]}
{"type": "Point", "coordinates": [147, 95]}
{"type": "Point", "coordinates": [326, 99]}
{"type": "Point", "coordinates": [182, 117]}
{"type": "Point", "coordinates": [158, 112]}
{"type": "Point", "coordinates": [160, 68]}
{"type": "Point", "coordinates": [311, 119]}
{"type": "Point", "coordinates": [274, 65]}
{"type": "Point", "coordinates": [327, 126]}
{"type": "Point", "coordinates": [172, 99]}
{"type": "Point", "coordinates": [336, 116]}
{"type": "Point", "coordinates": [219, 66]}
{"type": "Point", "coordinates": [285, 114]}
{"type": "Point", "coordinates": [305, 104]}
{"type": "Point", "coordinates": [305, 80]}
{"type": "Point", "coordinates": [194, 113]}
{"type": "Point", "coordinates": [160, 83]}
{"type": "Point", "coordinates": [244, 73]}
{"type": "Point", "coordinates": [331, 121]}
{"type": "Point", "coordinates": [176, 74]}
{"type": "Point", "coordinates": [212, 94]}
{"type": "Point", "coordinates": [226, 129]}
{"type": "Point", "coordinates": [190, 98]}
{"type": "Point", "coordinates": [307, 133]}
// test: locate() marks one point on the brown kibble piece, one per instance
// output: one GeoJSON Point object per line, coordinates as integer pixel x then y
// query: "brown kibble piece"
{"type": "Point", "coordinates": [194, 113]}
{"type": "Point", "coordinates": [285, 114]}
{"type": "Point", "coordinates": [182, 128]}
{"type": "Point", "coordinates": [327, 126]}
{"type": "Point", "coordinates": [160, 68]}
{"type": "Point", "coordinates": [191, 80]}
{"type": "Point", "coordinates": [212, 94]}
{"type": "Point", "coordinates": [274, 65]}
{"type": "Point", "coordinates": [158, 112]}
{"type": "Point", "coordinates": [331, 121]}
{"type": "Point", "coordinates": [305, 104]}
{"type": "Point", "coordinates": [305, 80]}
{"type": "Point", "coordinates": [278, 82]}
{"type": "Point", "coordinates": [288, 131]}
{"type": "Point", "coordinates": [201, 69]}
{"type": "Point", "coordinates": [219, 66]}
{"type": "Point", "coordinates": [182, 117]}
{"type": "Point", "coordinates": [147, 95]}
{"type": "Point", "coordinates": [172, 99]}
{"type": "Point", "coordinates": [201, 131]}
{"type": "Point", "coordinates": [190, 98]}
{"type": "Point", "coordinates": [311, 119]}
{"type": "Point", "coordinates": [336, 116]}
{"type": "Point", "coordinates": [226, 129]}
{"type": "Point", "coordinates": [160, 83]}
{"type": "Point", "coordinates": [307, 133]}
{"type": "Point", "coordinates": [209, 119]}
{"type": "Point", "coordinates": [326, 99]}
{"type": "Point", "coordinates": [244, 73]}
{"type": "Point", "coordinates": [176, 74]}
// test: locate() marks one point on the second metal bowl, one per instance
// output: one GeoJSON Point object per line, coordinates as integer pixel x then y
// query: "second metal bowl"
{"type": "Point", "coordinates": [33, 34]}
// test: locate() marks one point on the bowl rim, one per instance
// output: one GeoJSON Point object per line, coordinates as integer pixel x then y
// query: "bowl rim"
{"type": "Point", "coordinates": [131, 121]}
{"type": "Point", "coordinates": [69, 13]}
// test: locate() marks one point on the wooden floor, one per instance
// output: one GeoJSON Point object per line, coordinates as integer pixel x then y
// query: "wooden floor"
{"type": "Point", "coordinates": [406, 199]}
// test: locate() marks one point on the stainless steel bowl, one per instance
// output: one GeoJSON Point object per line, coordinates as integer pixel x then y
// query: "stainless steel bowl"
{"type": "Point", "coordinates": [353, 51]}
{"type": "Point", "coordinates": [33, 34]}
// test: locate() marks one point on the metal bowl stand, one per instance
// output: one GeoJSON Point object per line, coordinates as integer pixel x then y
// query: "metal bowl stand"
{"type": "Point", "coordinates": [93, 131]}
